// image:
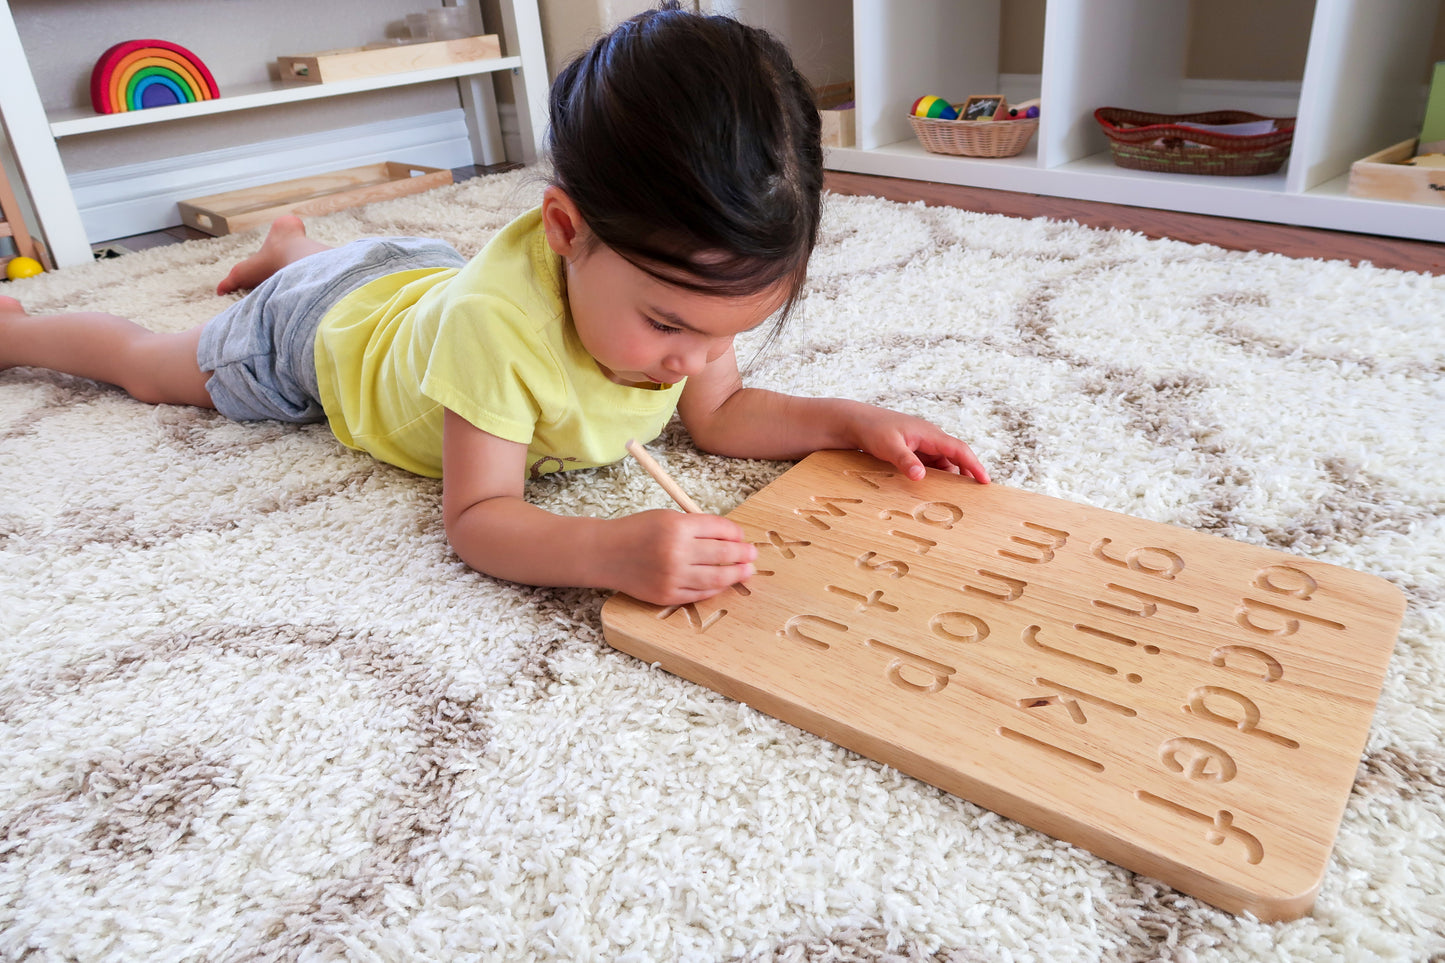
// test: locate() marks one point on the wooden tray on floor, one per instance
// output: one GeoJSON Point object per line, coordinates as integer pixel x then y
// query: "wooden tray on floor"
{"type": "Point", "coordinates": [1186, 706]}
{"type": "Point", "coordinates": [236, 211]}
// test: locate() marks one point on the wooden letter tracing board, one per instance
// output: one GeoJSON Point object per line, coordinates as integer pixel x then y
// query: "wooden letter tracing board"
{"type": "Point", "coordinates": [1186, 706]}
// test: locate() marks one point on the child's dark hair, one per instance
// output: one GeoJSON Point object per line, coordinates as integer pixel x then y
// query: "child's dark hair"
{"type": "Point", "coordinates": [690, 146]}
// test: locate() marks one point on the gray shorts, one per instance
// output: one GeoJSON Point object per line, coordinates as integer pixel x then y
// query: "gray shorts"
{"type": "Point", "coordinates": [261, 351]}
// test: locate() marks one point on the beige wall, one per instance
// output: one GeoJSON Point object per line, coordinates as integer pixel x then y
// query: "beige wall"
{"type": "Point", "coordinates": [1229, 39]}
{"type": "Point", "coordinates": [1248, 40]}
{"type": "Point", "coordinates": [568, 26]}
{"type": "Point", "coordinates": [819, 31]}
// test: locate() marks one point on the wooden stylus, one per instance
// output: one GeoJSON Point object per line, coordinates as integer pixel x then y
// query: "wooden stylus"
{"type": "Point", "coordinates": [662, 477]}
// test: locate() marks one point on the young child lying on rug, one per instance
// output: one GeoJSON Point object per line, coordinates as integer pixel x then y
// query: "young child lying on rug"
{"type": "Point", "coordinates": [683, 209]}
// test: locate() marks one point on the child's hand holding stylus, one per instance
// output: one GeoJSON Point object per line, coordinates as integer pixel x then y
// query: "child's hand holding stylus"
{"type": "Point", "coordinates": [683, 555]}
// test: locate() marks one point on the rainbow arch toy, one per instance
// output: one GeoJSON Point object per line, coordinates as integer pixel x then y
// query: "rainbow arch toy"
{"type": "Point", "coordinates": [138, 74]}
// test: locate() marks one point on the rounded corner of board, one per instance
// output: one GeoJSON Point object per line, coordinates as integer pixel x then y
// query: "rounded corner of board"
{"type": "Point", "coordinates": [1284, 909]}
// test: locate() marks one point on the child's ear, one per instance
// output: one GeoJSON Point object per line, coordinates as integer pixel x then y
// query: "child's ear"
{"type": "Point", "coordinates": [561, 221]}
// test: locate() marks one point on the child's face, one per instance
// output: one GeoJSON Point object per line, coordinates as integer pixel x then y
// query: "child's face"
{"type": "Point", "coordinates": [640, 329]}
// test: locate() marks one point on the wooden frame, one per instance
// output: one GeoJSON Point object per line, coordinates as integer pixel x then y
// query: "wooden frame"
{"type": "Point", "coordinates": [13, 226]}
{"type": "Point", "coordinates": [981, 107]}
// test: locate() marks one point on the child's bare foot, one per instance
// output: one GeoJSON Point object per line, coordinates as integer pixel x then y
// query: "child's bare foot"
{"type": "Point", "coordinates": [8, 306]}
{"type": "Point", "coordinates": [285, 242]}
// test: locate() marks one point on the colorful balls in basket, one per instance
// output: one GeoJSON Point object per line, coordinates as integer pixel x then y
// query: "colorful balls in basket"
{"type": "Point", "coordinates": [148, 73]}
{"type": "Point", "coordinates": [935, 107]}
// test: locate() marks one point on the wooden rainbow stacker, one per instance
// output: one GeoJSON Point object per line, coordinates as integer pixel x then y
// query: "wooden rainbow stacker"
{"type": "Point", "coordinates": [1186, 706]}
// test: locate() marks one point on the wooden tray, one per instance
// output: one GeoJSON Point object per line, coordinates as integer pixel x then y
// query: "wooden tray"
{"type": "Point", "coordinates": [1188, 707]}
{"type": "Point", "coordinates": [236, 211]}
{"type": "Point", "coordinates": [1384, 176]}
{"type": "Point", "coordinates": [352, 62]}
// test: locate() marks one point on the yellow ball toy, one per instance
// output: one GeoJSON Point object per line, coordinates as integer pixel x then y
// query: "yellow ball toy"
{"type": "Point", "coordinates": [22, 267]}
{"type": "Point", "coordinates": [935, 107]}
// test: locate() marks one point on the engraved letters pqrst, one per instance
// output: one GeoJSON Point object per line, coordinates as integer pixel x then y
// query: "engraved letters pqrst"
{"type": "Point", "coordinates": [1078, 649]}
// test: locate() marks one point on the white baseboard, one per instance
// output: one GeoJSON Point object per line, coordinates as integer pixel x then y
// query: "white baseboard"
{"type": "Point", "coordinates": [136, 198]}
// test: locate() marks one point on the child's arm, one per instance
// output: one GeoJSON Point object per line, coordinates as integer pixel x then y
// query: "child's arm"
{"type": "Point", "coordinates": [662, 556]}
{"type": "Point", "coordinates": [726, 418]}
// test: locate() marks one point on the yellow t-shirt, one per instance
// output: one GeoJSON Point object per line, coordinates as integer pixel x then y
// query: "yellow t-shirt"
{"type": "Point", "coordinates": [494, 342]}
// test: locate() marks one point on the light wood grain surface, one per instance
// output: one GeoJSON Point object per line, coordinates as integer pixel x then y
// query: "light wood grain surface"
{"type": "Point", "coordinates": [1189, 707]}
{"type": "Point", "coordinates": [241, 210]}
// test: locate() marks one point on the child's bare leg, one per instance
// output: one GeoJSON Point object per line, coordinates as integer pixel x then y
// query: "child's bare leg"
{"type": "Point", "coordinates": [285, 242]}
{"type": "Point", "coordinates": [151, 366]}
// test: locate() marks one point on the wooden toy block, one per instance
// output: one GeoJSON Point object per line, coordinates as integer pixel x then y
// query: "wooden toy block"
{"type": "Point", "coordinates": [353, 62]}
{"type": "Point", "coordinates": [1186, 706]}
{"type": "Point", "coordinates": [235, 211]}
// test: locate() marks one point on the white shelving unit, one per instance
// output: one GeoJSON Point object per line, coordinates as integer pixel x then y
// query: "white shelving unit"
{"type": "Point", "coordinates": [1365, 64]}
{"type": "Point", "coordinates": [33, 134]}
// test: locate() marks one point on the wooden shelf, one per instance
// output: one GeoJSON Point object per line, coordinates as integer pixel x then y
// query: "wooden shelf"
{"type": "Point", "coordinates": [1096, 178]}
{"type": "Point", "coordinates": [69, 123]}
{"type": "Point", "coordinates": [34, 133]}
{"type": "Point", "coordinates": [1355, 96]}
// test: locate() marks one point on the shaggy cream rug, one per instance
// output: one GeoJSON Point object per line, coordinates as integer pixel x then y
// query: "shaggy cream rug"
{"type": "Point", "coordinates": [253, 708]}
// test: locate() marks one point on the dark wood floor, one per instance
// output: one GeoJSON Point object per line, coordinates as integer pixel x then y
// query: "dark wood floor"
{"type": "Point", "coordinates": [1423, 256]}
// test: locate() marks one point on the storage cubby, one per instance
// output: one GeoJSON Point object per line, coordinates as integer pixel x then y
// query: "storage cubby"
{"type": "Point", "coordinates": [1360, 88]}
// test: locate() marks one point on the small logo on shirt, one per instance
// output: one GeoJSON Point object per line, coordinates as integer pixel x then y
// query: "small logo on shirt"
{"type": "Point", "coordinates": [548, 464]}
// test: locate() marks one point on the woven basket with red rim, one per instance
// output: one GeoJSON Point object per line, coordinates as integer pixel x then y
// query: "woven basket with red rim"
{"type": "Point", "coordinates": [1166, 142]}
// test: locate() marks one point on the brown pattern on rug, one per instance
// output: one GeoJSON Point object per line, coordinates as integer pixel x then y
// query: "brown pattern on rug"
{"type": "Point", "coordinates": [1395, 771]}
{"type": "Point", "coordinates": [253, 707]}
{"type": "Point", "coordinates": [119, 526]}
{"type": "Point", "coordinates": [1357, 505]}
{"type": "Point", "coordinates": [59, 393]}
{"type": "Point", "coordinates": [127, 805]}
{"type": "Point", "coordinates": [130, 805]}
{"type": "Point", "coordinates": [148, 801]}
{"type": "Point", "coordinates": [862, 944]}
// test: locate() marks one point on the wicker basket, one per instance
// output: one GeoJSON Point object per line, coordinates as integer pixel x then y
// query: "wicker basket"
{"type": "Point", "coordinates": [974, 138]}
{"type": "Point", "coordinates": [1164, 142]}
